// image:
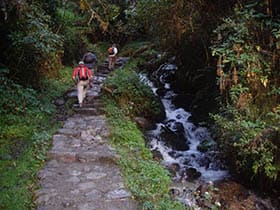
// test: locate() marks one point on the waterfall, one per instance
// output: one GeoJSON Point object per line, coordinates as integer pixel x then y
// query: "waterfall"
{"type": "Point", "coordinates": [190, 154]}
{"type": "Point", "coordinates": [178, 140]}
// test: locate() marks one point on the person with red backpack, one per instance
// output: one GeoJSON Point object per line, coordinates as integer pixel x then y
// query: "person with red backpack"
{"type": "Point", "coordinates": [112, 52]}
{"type": "Point", "coordinates": [82, 76]}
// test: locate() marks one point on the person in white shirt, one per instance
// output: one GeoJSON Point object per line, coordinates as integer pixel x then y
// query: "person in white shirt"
{"type": "Point", "coordinates": [112, 51]}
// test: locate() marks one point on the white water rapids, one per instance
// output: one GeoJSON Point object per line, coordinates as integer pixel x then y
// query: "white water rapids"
{"type": "Point", "coordinates": [206, 164]}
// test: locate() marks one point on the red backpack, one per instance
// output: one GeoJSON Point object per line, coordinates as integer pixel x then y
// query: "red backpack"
{"type": "Point", "coordinates": [111, 51]}
{"type": "Point", "coordinates": [83, 73]}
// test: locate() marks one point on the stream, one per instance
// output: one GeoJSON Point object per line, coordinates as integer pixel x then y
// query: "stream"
{"type": "Point", "coordinates": [200, 177]}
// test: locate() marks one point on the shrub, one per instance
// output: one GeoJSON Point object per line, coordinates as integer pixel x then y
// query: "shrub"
{"type": "Point", "coordinates": [133, 96]}
{"type": "Point", "coordinates": [247, 124]}
{"type": "Point", "coordinates": [35, 50]}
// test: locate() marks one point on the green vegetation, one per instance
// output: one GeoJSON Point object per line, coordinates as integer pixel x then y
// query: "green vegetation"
{"type": "Point", "coordinates": [248, 122]}
{"type": "Point", "coordinates": [132, 95]}
{"type": "Point", "coordinates": [146, 179]}
{"type": "Point", "coordinates": [25, 136]}
{"type": "Point", "coordinates": [241, 38]}
{"type": "Point", "coordinates": [30, 48]}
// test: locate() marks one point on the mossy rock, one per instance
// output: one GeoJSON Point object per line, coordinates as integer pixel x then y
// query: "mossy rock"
{"type": "Point", "coordinates": [206, 145]}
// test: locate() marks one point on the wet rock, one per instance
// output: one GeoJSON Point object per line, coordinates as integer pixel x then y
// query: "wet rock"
{"type": "Point", "coordinates": [71, 93]}
{"type": "Point", "coordinates": [191, 174]}
{"type": "Point", "coordinates": [183, 100]}
{"type": "Point", "coordinates": [161, 91]}
{"type": "Point", "coordinates": [157, 155]}
{"type": "Point", "coordinates": [173, 168]}
{"type": "Point", "coordinates": [174, 154]}
{"type": "Point", "coordinates": [206, 145]}
{"type": "Point", "coordinates": [175, 126]}
{"type": "Point", "coordinates": [204, 162]}
{"type": "Point", "coordinates": [59, 102]}
{"type": "Point", "coordinates": [202, 189]}
{"type": "Point", "coordinates": [121, 61]}
{"type": "Point", "coordinates": [176, 140]}
{"type": "Point", "coordinates": [142, 122]}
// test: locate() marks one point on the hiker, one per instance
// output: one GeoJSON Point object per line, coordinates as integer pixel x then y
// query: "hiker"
{"type": "Point", "coordinates": [82, 76]}
{"type": "Point", "coordinates": [112, 52]}
{"type": "Point", "coordinates": [89, 60]}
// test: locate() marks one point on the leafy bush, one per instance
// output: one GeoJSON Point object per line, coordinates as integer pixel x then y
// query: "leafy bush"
{"type": "Point", "coordinates": [249, 145]}
{"type": "Point", "coordinates": [132, 96]}
{"type": "Point", "coordinates": [248, 124]}
{"type": "Point", "coordinates": [35, 50]}
{"type": "Point", "coordinates": [72, 34]}
{"type": "Point", "coordinates": [14, 99]}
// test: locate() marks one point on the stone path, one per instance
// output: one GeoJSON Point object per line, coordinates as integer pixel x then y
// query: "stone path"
{"type": "Point", "coordinates": [82, 172]}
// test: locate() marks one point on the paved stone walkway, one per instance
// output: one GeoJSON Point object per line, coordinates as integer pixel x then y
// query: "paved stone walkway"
{"type": "Point", "coordinates": [82, 172]}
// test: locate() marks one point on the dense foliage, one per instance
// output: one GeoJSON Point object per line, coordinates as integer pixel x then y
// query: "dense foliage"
{"type": "Point", "coordinates": [25, 136]}
{"type": "Point", "coordinates": [246, 45]}
{"type": "Point", "coordinates": [242, 38]}
{"type": "Point", "coordinates": [29, 47]}
{"type": "Point", "coordinates": [132, 95]}
{"type": "Point", "coordinates": [38, 37]}
{"type": "Point", "coordinates": [248, 68]}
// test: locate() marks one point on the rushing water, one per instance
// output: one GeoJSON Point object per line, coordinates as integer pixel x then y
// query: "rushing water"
{"type": "Point", "coordinates": [178, 140]}
{"type": "Point", "coordinates": [190, 154]}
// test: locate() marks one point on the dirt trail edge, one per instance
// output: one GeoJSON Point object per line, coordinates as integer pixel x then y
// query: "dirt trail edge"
{"type": "Point", "coordinates": [82, 171]}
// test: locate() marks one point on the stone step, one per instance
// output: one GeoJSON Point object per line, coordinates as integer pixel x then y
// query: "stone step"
{"type": "Point", "coordinates": [103, 68]}
{"type": "Point", "coordinates": [67, 131]}
{"type": "Point", "coordinates": [93, 101]}
{"type": "Point", "coordinates": [82, 186]}
{"type": "Point", "coordinates": [96, 106]}
{"type": "Point", "coordinates": [93, 94]}
{"type": "Point", "coordinates": [66, 156]}
{"type": "Point", "coordinates": [89, 111]}
{"type": "Point", "coordinates": [97, 82]}
{"type": "Point", "coordinates": [83, 173]}
{"type": "Point", "coordinates": [100, 74]}
{"type": "Point", "coordinates": [107, 157]}
{"type": "Point", "coordinates": [63, 156]}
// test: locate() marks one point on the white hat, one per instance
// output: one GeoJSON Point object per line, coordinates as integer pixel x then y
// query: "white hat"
{"type": "Point", "coordinates": [81, 63]}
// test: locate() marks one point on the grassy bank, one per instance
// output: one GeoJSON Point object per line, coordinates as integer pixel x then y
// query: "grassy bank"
{"type": "Point", "coordinates": [147, 179]}
{"type": "Point", "coordinates": [27, 124]}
